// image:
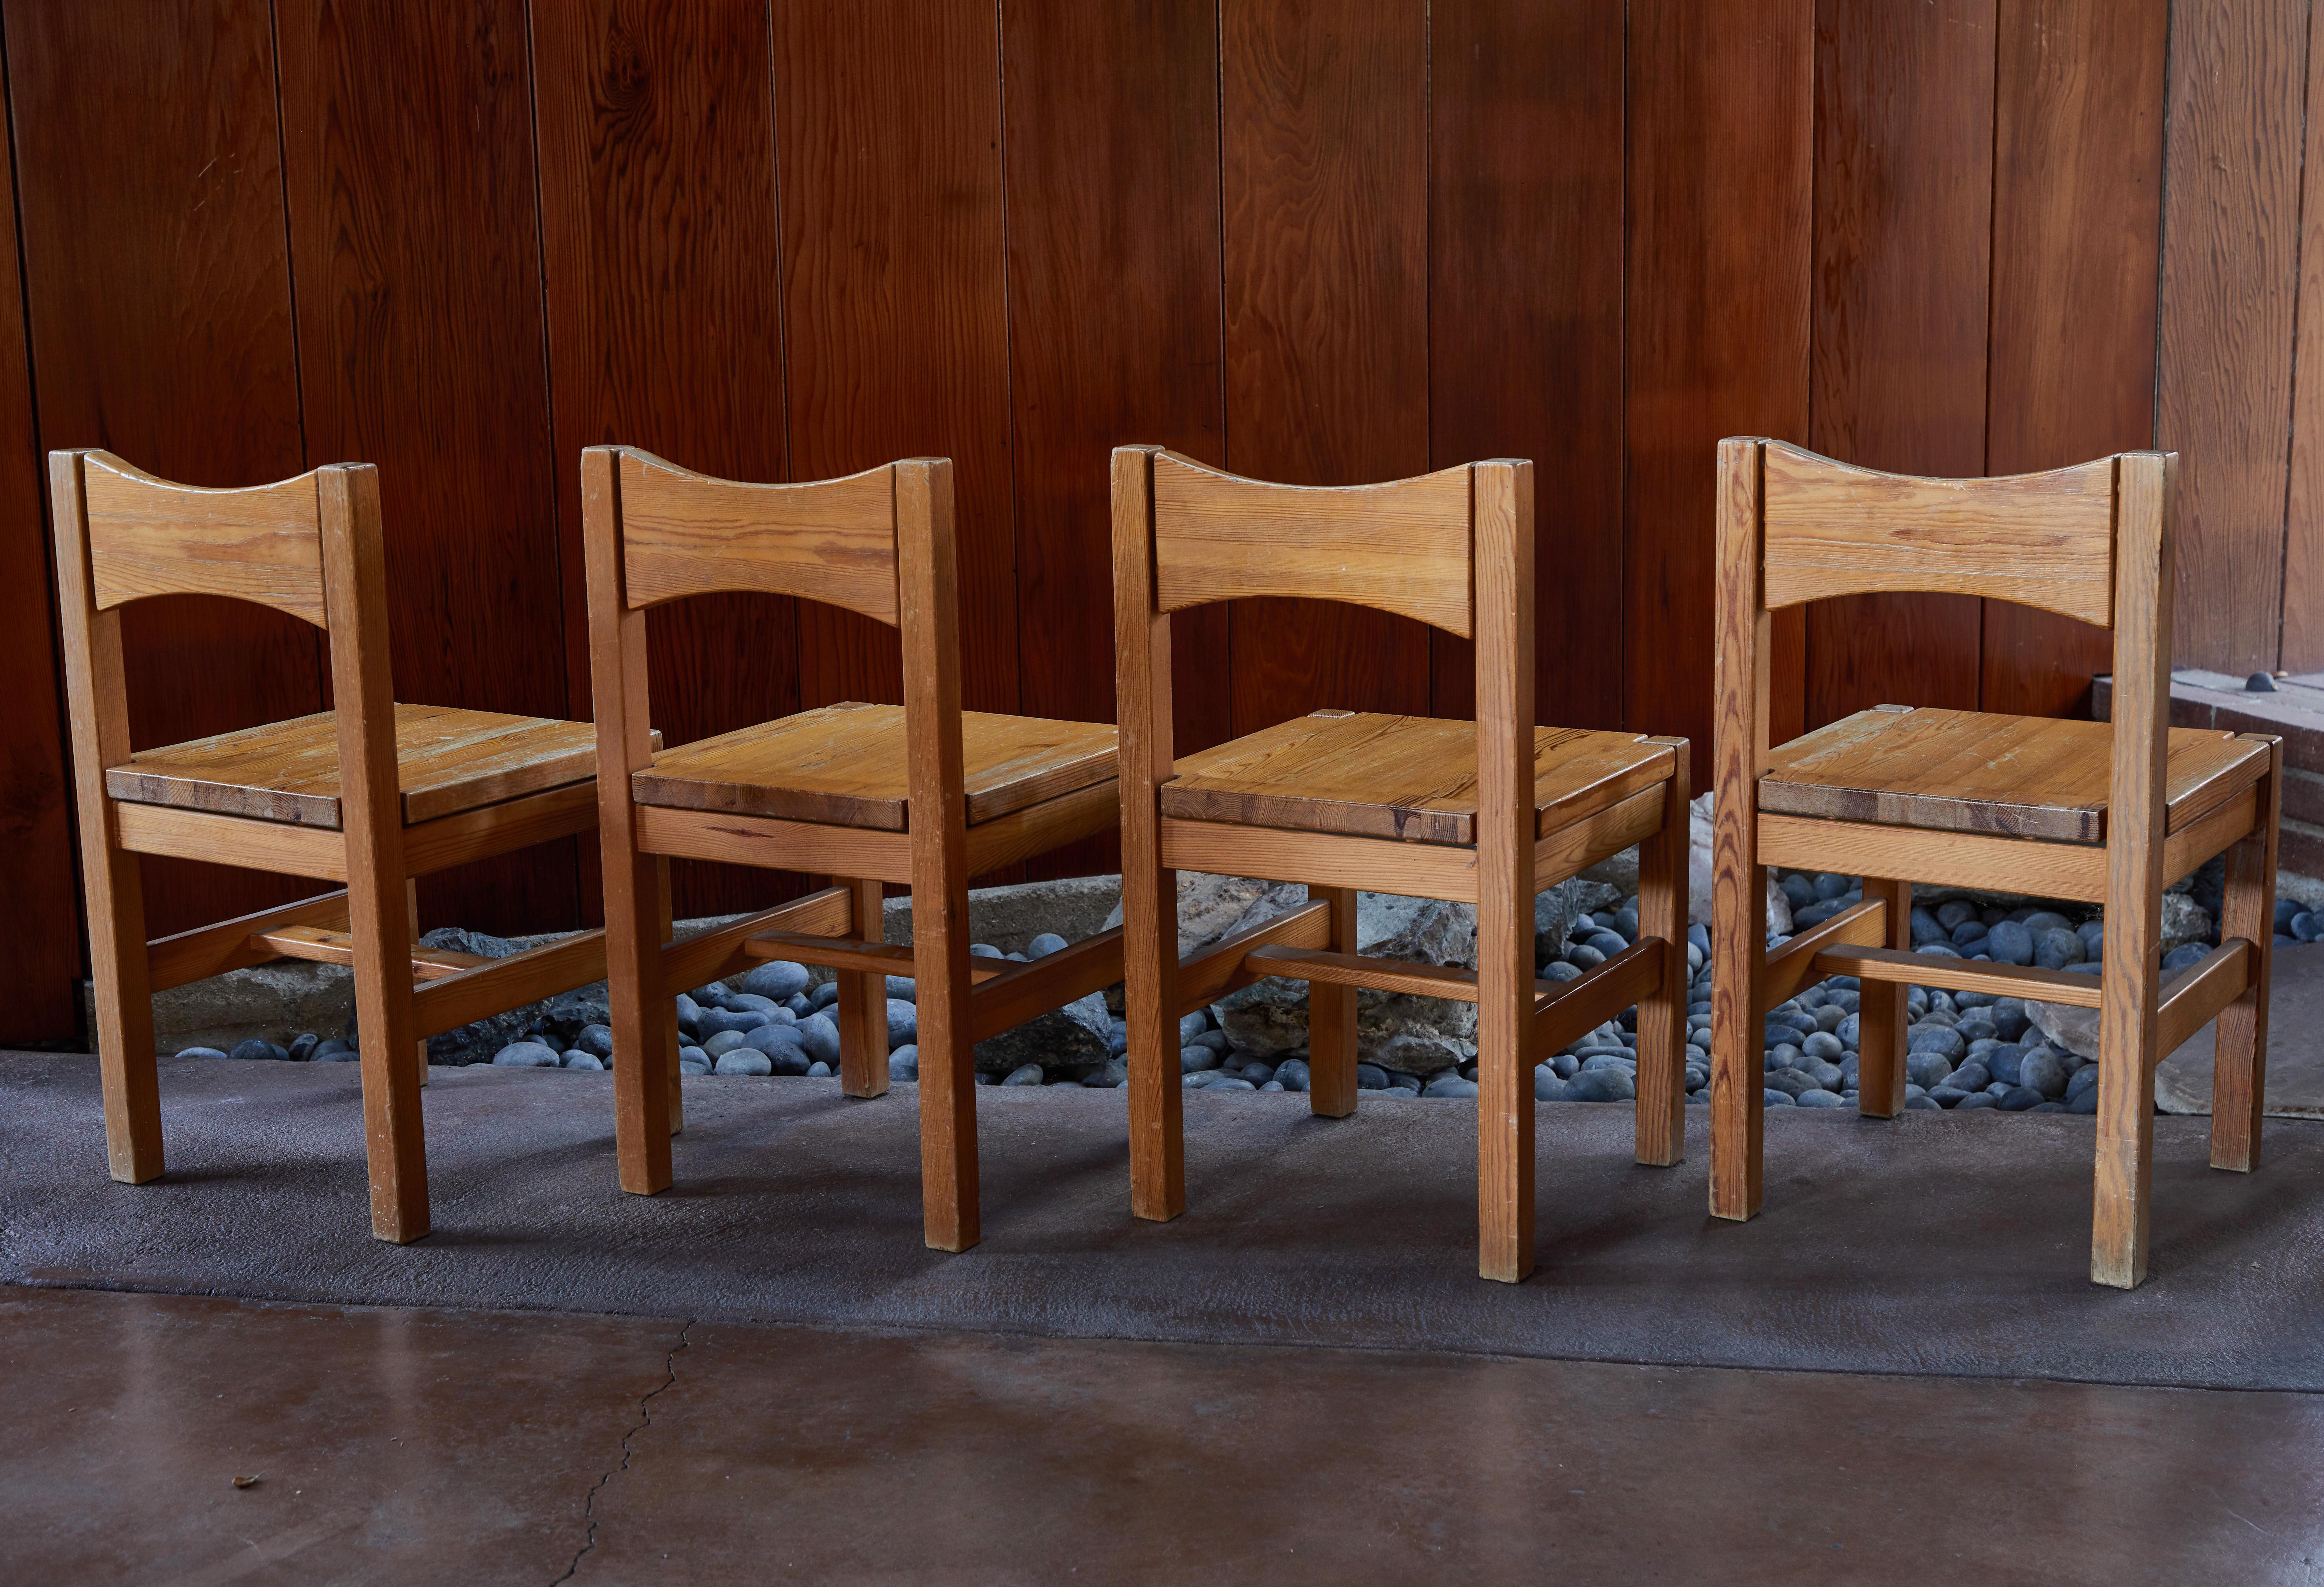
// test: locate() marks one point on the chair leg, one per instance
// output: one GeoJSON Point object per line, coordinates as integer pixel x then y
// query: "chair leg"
{"type": "Point", "coordinates": [2239, 1063]}
{"type": "Point", "coordinates": [395, 1141]}
{"type": "Point", "coordinates": [411, 925]}
{"type": "Point", "coordinates": [1739, 939]}
{"type": "Point", "coordinates": [124, 1008]}
{"type": "Point", "coordinates": [1662, 1016]}
{"type": "Point", "coordinates": [1158, 1147]}
{"type": "Point", "coordinates": [1880, 1015]}
{"type": "Point", "coordinates": [1331, 1018]}
{"type": "Point", "coordinates": [664, 929]}
{"type": "Point", "coordinates": [2126, 1128]}
{"type": "Point", "coordinates": [863, 1006]}
{"type": "Point", "coordinates": [645, 1071]}
{"type": "Point", "coordinates": [950, 1216]}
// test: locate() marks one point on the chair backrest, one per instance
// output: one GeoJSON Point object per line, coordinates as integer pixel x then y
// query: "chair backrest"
{"type": "Point", "coordinates": [2092, 541]}
{"type": "Point", "coordinates": [1453, 549]}
{"type": "Point", "coordinates": [880, 543]}
{"type": "Point", "coordinates": [684, 533]}
{"type": "Point", "coordinates": [312, 546]}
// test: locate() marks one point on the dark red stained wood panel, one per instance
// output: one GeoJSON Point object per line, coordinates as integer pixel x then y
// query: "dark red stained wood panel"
{"type": "Point", "coordinates": [1325, 177]}
{"type": "Point", "coordinates": [158, 296]}
{"type": "Point", "coordinates": [415, 234]}
{"type": "Point", "coordinates": [660, 231]}
{"type": "Point", "coordinates": [39, 943]}
{"type": "Point", "coordinates": [2302, 644]}
{"type": "Point", "coordinates": [888, 147]}
{"type": "Point", "coordinates": [2230, 263]}
{"type": "Point", "coordinates": [1525, 316]}
{"type": "Point", "coordinates": [2076, 238]}
{"type": "Point", "coordinates": [1716, 308]}
{"type": "Point", "coordinates": [1113, 329]}
{"type": "Point", "coordinates": [1904, 237]}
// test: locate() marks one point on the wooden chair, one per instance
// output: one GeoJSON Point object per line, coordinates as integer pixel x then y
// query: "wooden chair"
{"type": "Point", "coordinates": [431, 787]}
{"type": "Point", "coordinates": [925, 794]}
{"type": "Point", "coordinates": [2080, 810]}
{"type": "Point", "coordinates": [1488, 813]}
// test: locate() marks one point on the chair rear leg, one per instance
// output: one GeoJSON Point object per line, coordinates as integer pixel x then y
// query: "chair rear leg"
{"type": "Point", "coordinates": [2125, 1128]}
{"type": "Point", "coordinates": [1662, 1015]}
{"type": "Point", "coordinates": [1150, 943]}
{"type": "Point", "coordinates": [645, 1068]}
{"type": "Point", "coordinates": [863, 1006]}
{"type": "Point", "coordinates": [2239, 1064]}
{"type": "Point", "coordinates": [1880, 1015]}
{"type": "Point", "coordinates": [1332, 1017]}
{"type": "Point", "coordinates": [1738, 948]}
{"type": "Point", "coordinates": [950, 1214]}
{"type": "Point", "coordinates": [395, 1143]}
{"type": "Point", "coordinates": [124, 1008]}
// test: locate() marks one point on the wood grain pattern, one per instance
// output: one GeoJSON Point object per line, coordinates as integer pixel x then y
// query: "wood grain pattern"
{"type": "Point", "coordinates": [1223, 967]}
{"type": "Point", "coordinates": [1112, 134]}
{"type": "Point", "coordinates": [277, 847]}
{"type": "Point", "coordinates": [1324, 168]}
{"type": "Point", "coordinates": [1010, 996]}
{"type": "Point", "coordinates": [658, 222]}
{"type": "Point", "coordinates": [2041, 539]}
{"type": "Point", "coordinates": [804, 847]}
{"type": "Point", "coordinates": [1738, 909]}
{"type": "Point", "coordinates": [414, 227]}
{"type": "Point", "coordinates": [2223, 400]}
{"type": "Point", "coordinates": [1902, 967]}
{"type": "Point", "coordinates": [449, 761]}
{"type": "Point", "coordinates": [496, 985]}
{"type": "Point", "coordinates": [846, 764]}
{"type": "Point", "coordinates": [1903, 224]}
{"type": "Point", "coordinates": [2301, 644]}
{"type": "Point", "coordinates": [157, 299]}
{"type": "Point", "coordinates": [2239, 1053]}
{"type": "Point", "coordinates": [2201, 992]}
{"type": "Point", "coordinates": [1400, 547]}
{"type": "Point", "coordinates": [1718, 207]}
{"type": "Point", "coordinates": [2076, 243]}
{"type": "Point", "coordinates": [150, 536]}
{"type": "Point", "coordinates": [1664, 860]}
{"type": "Point", "coordinates": [1412, 778]}
{"type": "Point", "coordinates": [1967, 771]}
{"type": "Point", "coordinates": [1792, 966]}
{"type": "Point", "coordinates": [832, 540]}
{"type": "Point", "coordinates": [1525, 314]}
{"type": "Point", "coordinates": [888, 139]}
{"type": "Point", "coordinates": [213, 950]}
{"type": "Point", "coordinates": [323, 945]}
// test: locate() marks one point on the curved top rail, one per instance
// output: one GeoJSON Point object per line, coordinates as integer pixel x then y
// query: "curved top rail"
{"type": "Point", "coordinates": [2039, 540]}
{"type": "Point", "coordinates": [684, 533]}
{"type": "Point", "coordinates": [150, 536]}
{"type": "Point", "coordinates": [1404, 546]}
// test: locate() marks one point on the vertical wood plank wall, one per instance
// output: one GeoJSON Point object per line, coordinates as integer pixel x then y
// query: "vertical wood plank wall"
{"type": "Point", "coordinates": [1315, 240]}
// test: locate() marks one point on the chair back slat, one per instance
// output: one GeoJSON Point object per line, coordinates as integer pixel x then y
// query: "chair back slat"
{"type": "Point", "coordinates": [832, 540]}
{"type": "Point", "coordinates": [2038, 539]}
{"type": "Point", "coordinates": [1403, 547]}
{"type": "Point", "coordinates": [149, 536]}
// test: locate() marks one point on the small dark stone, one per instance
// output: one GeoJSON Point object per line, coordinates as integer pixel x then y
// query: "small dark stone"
{"type": "Point", "coordinates": [1370, 1077]}
{"type": "Point", "coordinates": [204, 1052]}
{"type": "Point", "coordinates": [1981, 1099]}
{"type": "Point", "coordinates": [1291, 1073]}
{"type": "Point", "coordinates": [578, 1059]}
{"type": "Point", "coordinates": [1043, 945]}
{"type": "Point", "coordinates": [818, 1038]}
{"type": "Point", "coordinates": [1023, 1075]}
{"type": "Point", "coordinates": [2084, 1103]}
{"type": "Point", "coordinates": [527, 1054]}
{"type": "Point", "coordinates": [2259, 683]}
{"type": "Point", "coordinates": [255, 1048]}
{"type": "Point", "coordinates": [2184, 955]}
{"type": "Point", "coordinates": [903, 1023]}
{"type": "Point", "coordinates": [2043, 1071]}
{"type": "Point", "coordinates": [2004, 1063]}
{"type": "Point", "coordinates": [823, 997]}
{"type": "Point", "coordinates": [302, 1046]}
{"type": "Point", "coordinates": [715, 1020]}
{"type": "Point", "coordinates": [1972, 1075]}
{"type": "Point", "coordinates": [2017, 1099]}
{"type": "Point", "coordinates": [1611, 1085]}
{"type": "Point", "coordinates": [2010, 944]}
{"type": "Point", "coordinates": [904, 1063]}
{"type": "Point", "coordinates": [1820, 1099]}
{"type": "Point", "coordinates": [1778, 1099]}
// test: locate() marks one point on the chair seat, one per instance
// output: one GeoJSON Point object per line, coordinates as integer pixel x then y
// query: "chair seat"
{"type": "Point", "coordinates": [448, 761]}
{"type": "Point", "coordinates": [1367, 775]}
{"type": "Point", "coordinates": [844, 765]}
{"type": "Point", "coordinates": [1977, 772]}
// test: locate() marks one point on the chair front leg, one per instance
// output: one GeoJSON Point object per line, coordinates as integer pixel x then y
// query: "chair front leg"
{"type": "Point", "coordinates": [1662, 1016]}
{"type": "Point", "coordinates": [124, 1004]}
{"type": "Point", "coordinates": [1739, 939]}
{"type": "Point", "coordinates": [1332, 1017]}
{"type": "Point", "coordinates": [395, 1143]}
{"type": "Point", "coordinates": [950, 1216]}
{"type": "Point", "coordinates": [1504, 1122]}
{"type": "Point", "coordinates": [645, 1071]}
{"type": "Point", "coordinates": [1880, 1014]}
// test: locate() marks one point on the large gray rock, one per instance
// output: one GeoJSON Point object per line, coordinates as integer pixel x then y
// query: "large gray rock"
{"type": "Point", "coordinates": [2183, 920]}
{"type": "Point", "coordinates": [1061, 1039]}
{"type": "Point", "coordinates": [266, 1002]}
{"type": "Point", "coordinates": [1697, 874]}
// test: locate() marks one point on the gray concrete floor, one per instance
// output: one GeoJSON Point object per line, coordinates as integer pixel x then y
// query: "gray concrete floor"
{"type": "Point", "coordinates": [1899, 1371]}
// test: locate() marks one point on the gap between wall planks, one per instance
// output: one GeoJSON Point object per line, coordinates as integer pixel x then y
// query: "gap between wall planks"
{"type": "Point", "coordinates": [737, 234]}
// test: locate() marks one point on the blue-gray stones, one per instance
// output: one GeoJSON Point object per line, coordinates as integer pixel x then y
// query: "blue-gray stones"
{"type": "Point", "coordinates": [694, 1055]}
{"type": "Point", "coordinates": [1981, 1099]}
{"type": "Point", "coordinates": [2040, 920]}
{"type": "Point", "coordinates": [1925, 1103]}
{"type": "Point", "coordinates": [255, 1048]}
{"type": "Point", "coordinates": [1607, 943]}
{"type": "Point", "coordinates": [1829, 885]}
{"type": "Point", "coordinates": [2259, 683]}
{"type": "Point", "coordinates": [715, 1020]}
{"type": "Point", "coordinates": [1116, 1037]}
{"type": "Point", "coordinates": [1194, 1060]}
{"type": "Point", "coordinates": [689, 1014]}
{"type": "Point", "coordinates": [2184, 955]}
{"type": "Point", "coordinates": [800, 1006]}
{"type": "Point", "coordinates": [1825, 1045]}
{"type": "Point", "coordinates": [527, 1054]}
{"type": "Point", "coordinates": [1603, 1060]}
{"type": "Point", "coordinates": [1370, 1077]}
{"type": "Point", "coordinates": [1547, 1086]}
{"type": "Point", "coordinates": [578, 1059]}
{"type": "Point", "coordinates": [1258, 1072]}
{"type": "Point", "coordinates": [1043, 945]}
{"type": "Point", "coordinates": [2093, 936]}
{"type": "Point", "coordinates": [1928, 1069]}
{"type": "Point", "coordinates": [904, 1063]}
{"type": "Point", "coordinates": [1798, 890]}
{"type": "Point", "coordinates": [2285, 910]}
{"type": "Point", "coordinates": [1778, 1099]}
{"type": "Point", "coordinates": [818, 1038]}
{"type": "Point", "coordinates": [1559, 970]}
{"type": "Point", "coordinates": [818, 1071]}
{"type": "Point", "coordinates": [1023, 1075]}
{"type": "Point", "coordinates": [768, 1040]}
{"type": "Point", "coordinates": [2011, 944]}
{"type": "Point", "coordinates": [1230, 1083]}
{"type": "Point", "coordinates": [1449, 1085]}
{"type": "Point", "coordinates": [1928, 1037]}
{"type": "Point", "coordinates": [2084, 1079]}
{"type": "Point", "coordinates": [712, 994]}
{"type": "Point", "coordinates": [1582, 956]}
{"type": "Point", "coordinates": [2004, 1062]}
{"type": "Point", "coordinates": [1925, 928]}
{"type": "Point", "coordinates": [1790, 1082]}
{"type": "Point", "coordinates": [692, 1067]}
{"type": "Point", "coordinates": [775, 979]}
{"type": "Point", "coordinates": [1939, 950]}
{"type": "Point", "coordinates": [1609, 1084]}
{"type": "Point", "coordinates": [1566, 1065]}
{"type": "Point", "coordinates": [1699, 936]}
{"type": "Point", "coordinates": [1291, 1073]}
{"type": "Point", "coordinates": [2043, 1071]}
{"type": "Point", "coordinates": [903, 989]}
{"type": "Point", "coordinates": [724, 1042]}
{"type": "Point", "coordinates": [738, 1001]}
{"type": "Point", "coordinates": [2307, 927]}
{"type": "Point", "coordinates": [1625, 923]}
{"type": "Point", "coordinates": [2054, 950]}
{"type": "Point", "coordinates": [789, 1060]}
{"type": "Point", "coordinates": [2084, 1102]}
{"type": "Point", "coordinates": [903, 1023]}
{"type": "Point", "coordinates": [823, 996]}
{"type": "Point", "coordinates": [1819, 1099]}
{"type": "Point", "coordinates": [302, 1046]}
{"type": "Point", "coordinates": [595, 1040]}
{"type": "Point", "coordinates": [1953, 911]}
{"type": "Point", "coordinates": [1947, 1096]}
{"type": "Point", "coordinates": [2017, 1099]}
{"type": "Point", "coordinates": [200, 1052]}
{"type": "Point", "coordinates": [986, 950]}
{"type": "Point", "coordinates": [2009, 1019]}
{"type": "Point", "coordinates": [2047, 1107]}
{"type": "Point", "coordinates": [1972, 1075]}
{"type": "Point", "coordinates": [1968, 934]}
{"type": "Point", "coordinates": [1190, 1026]}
